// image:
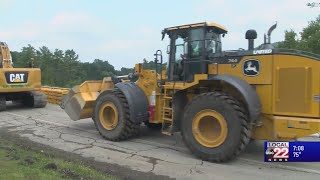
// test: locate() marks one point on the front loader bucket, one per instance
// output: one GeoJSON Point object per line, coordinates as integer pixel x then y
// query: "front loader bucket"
{"type": "Point", "coordinates": [80, 101]}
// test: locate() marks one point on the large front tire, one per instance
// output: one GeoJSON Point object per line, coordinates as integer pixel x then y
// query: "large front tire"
{"type": "Point", "coordinates": [112, 116]}
{"type": "Point", "coordinates": [215, 127]}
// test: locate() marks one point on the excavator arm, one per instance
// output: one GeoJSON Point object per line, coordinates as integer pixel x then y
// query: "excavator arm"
{"type": "Point", "coordinates": [5, 56]}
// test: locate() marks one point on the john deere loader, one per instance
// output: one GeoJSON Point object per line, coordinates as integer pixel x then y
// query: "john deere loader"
{"type": "Point", "coordinates": [217, 99]}
{"type": "Point", "coordinates": [20, 85]}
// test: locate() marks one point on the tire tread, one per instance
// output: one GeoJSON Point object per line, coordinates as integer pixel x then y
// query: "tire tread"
{"type": "Point", "coordinates": [130, 128]}
{"type": "Point", "coordinates": [241, 114]}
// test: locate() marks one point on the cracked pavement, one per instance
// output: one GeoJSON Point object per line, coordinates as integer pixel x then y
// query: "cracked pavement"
{"type": "Point", "coordinates": [150, 152]}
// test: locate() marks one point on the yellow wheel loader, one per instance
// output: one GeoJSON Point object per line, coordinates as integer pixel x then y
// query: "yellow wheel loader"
{"type": "Point", "coordinates": [218, 100]}
{"type": "Point", "coordinates": [20, 85]}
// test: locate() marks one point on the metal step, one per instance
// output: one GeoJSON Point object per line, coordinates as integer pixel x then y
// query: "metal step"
{"type": "Point", "coordinates": [167, 119]}
{"type": "Point", "coordinates": [167, 131]}
{"type": "Point", "coordinates": [167, 112]}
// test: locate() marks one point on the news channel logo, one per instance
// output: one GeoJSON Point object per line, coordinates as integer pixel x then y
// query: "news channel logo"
{"type": "Point", "coordinates": [277, 152]}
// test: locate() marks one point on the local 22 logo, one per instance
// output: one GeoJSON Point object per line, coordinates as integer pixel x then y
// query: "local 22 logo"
{"type": "Point", "coordinates": [277, 151]}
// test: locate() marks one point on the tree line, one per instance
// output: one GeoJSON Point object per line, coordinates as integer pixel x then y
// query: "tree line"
{"type": "Point", "coordinates": [307, 40]}
{"type": "Point", "coordinates": [64, 69]}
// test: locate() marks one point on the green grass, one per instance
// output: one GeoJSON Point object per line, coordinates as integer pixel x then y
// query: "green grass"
{"type": "Point", "coordinates": [17, 162]}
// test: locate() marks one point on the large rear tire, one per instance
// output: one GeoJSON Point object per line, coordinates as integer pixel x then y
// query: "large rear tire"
{"type": "Point", "coordinates": [216, 127]}
{"type": "Point", "coordinates": [2, 103]}
{"type": "Point", "coordinates": [112, 116]}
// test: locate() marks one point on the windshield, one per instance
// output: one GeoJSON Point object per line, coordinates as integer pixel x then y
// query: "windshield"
{"type": "Point", "coordinates": [189, 50]}
{"type": "Point", "coordinates": [192, 43]}
{"type": "Point", "coordinates": [213, 43]}
{"type": "Point", "coordinates": [196, 37]}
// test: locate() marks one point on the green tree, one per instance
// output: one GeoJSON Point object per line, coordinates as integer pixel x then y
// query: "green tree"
{"type": "Point", "coordinates": [23, 58]}
{"type": "Point", "coordinates": [64, 69]}
{"type": "Point", "coordinates": [124, 71]}
{"type": "Point", "coordinates": [148, 64]}
{"type": "Point", "coordinates": [71, 68]}
{"type": "Point", "coordinates": [309, 38]}
{"type": "Point", "coordinates": [290, 40]}
{"type": "Point", "coordinates": [47, 65]}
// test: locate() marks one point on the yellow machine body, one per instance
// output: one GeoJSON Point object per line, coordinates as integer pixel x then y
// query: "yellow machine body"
{"type": "Point", "coordinates": [33, 82]}
{"type": "Point", "coordinates": [289, 110]}
{"type": "Point", "coordinates": [288, 87]}
{"type": "Point", "coordinates": [16, 79]}
{"type": "Point", "coordinates": [284, 103]}
{"type": "Point", "coordinates": [19, 84]}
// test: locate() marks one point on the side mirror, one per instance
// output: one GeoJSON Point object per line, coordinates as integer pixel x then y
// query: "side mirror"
{"type": "Point", "coordinates": [168, 49]}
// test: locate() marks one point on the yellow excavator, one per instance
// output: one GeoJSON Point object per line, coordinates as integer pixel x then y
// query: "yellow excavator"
{"type": "Point", "coordinates": [20, 85]}
{"type": "Point", "coordinates": [217, 99]}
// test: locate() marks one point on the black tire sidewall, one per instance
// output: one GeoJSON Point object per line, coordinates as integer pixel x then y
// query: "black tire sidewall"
{"type": "Point", "coordinates": [105, 97]}
{"type": "Point", "coordinates": [230, 115]}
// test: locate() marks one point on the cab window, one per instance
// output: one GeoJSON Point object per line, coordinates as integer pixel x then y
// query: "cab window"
{"type": "Point", "coordinates": [196, 45]}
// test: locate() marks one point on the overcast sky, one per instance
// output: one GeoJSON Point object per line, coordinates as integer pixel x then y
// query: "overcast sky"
{"type": "Point", "coordinates": [125, 32]}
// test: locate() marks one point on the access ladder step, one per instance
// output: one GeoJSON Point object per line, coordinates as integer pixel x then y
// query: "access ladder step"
{"type": "Point", "coordinates": [167, 119]}
{"type": "Point", "coordinates": [167, 133]}
{"type": "Point", "coordinates": [167, 114]}
{"type": "Point", "coordinates": [167, 130]}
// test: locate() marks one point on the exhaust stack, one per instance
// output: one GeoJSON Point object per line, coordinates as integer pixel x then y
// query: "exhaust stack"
{"type": "Point", "coordinates": [267, 39]}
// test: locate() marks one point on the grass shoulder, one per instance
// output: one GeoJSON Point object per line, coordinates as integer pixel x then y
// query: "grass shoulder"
{"type": "Point", "coordinates": [17, 162]}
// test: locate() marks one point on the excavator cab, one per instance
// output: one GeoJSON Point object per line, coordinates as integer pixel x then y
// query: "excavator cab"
{"type": "Point", "coordinates": [190, 48]}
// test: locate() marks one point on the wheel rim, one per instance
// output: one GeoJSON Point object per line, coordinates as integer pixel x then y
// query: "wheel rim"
{"type": "Point", "coordinates": [209, 128]}
{"type": "Point", "coordinates": [108, 116]}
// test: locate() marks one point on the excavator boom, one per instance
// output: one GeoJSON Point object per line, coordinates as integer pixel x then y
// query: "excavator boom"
{"type": "Point", "coordinates": [5, 56]}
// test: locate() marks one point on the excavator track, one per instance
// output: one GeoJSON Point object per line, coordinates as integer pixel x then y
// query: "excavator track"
{"type": "Point", "coordinates": [40, 99]}
{"type": "Point", "coordinates": [2, 103]}
{"type": "Point", "coordinates": [35, 99]}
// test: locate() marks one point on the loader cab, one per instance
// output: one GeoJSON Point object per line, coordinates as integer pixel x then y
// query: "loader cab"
{"type": "Point", "coordinates": [189, 49]}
